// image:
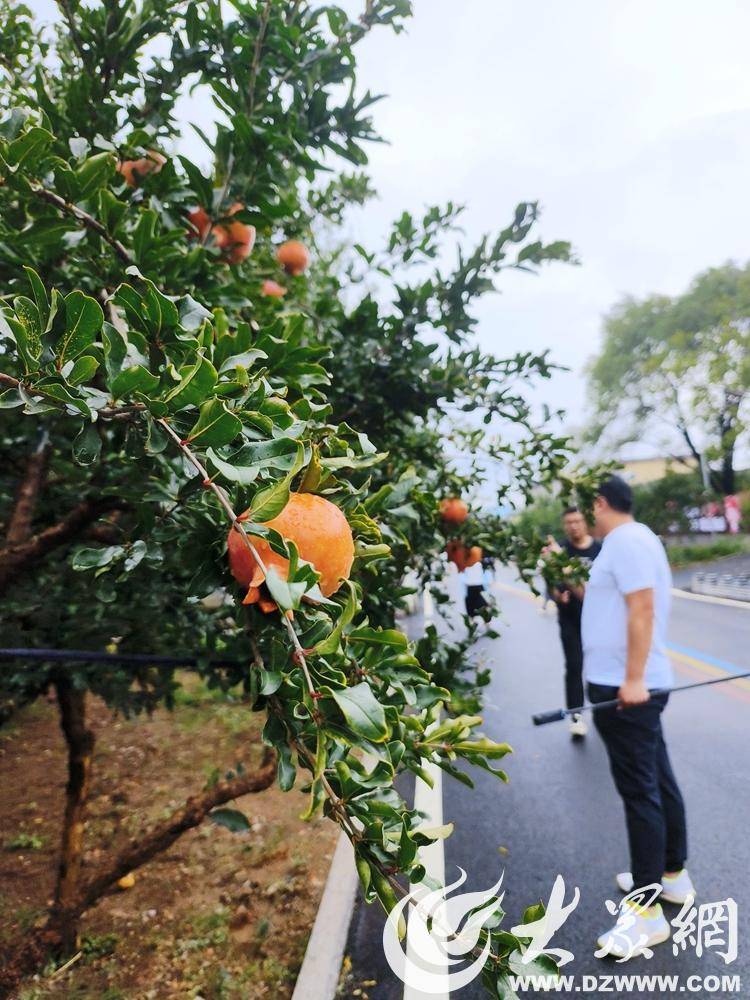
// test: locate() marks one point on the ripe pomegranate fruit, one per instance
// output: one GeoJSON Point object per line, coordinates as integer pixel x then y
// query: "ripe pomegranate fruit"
{"type": "Point", "coordinates": [453, 510]}
{"type": "Point", "coordinates": [293, 257]}
{"type": "Point", "coordinates": [322, 536]}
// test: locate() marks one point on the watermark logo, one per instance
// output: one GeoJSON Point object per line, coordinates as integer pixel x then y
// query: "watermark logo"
{"type": "Point", "coordinates": [442, 942]}
{"type": "Point", "coordinates": [442, 934]}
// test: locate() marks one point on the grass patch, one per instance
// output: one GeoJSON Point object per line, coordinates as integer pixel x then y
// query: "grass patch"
{"type": "Point", "coordinates": [24, 841]}
{"type": "Point", "coordinates": [684, 555]}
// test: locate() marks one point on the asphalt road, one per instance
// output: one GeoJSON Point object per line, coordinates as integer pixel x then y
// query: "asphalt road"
{"type": "Point", "coordinates": [560, 813]}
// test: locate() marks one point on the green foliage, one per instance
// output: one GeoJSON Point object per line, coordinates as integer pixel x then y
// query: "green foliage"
{"type": "Point", "coordinates": [149, 387]}
{"type": "Point", "coordinates": [683, 360]}
{"type": "Point", "coordinates": [720, 548]}
{"type": "Point", "coordinates": [665, 504]}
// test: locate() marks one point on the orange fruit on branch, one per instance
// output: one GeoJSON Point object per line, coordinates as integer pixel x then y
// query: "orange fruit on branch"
{"type": "Point", "coordinates": [456, 552]}
{"type": "Point", "coordinates": [133, 171]}
{"type": "Point", "coordinates": [200, 221]}
{"type": "Point", "coordinates": [322, 536]}
{"type": "Point", "coordinates": [235, 239]}
{"type": "Point", "coordinates": [272, 289]}
{"type": "Point", "coordinates": [293, 257]}
{"type": "Point", "coordinates": [453, 510]}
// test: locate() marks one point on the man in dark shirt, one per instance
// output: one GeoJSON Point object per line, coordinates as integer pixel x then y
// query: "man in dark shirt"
{"type": "Point", "coordinates": [579, 543]}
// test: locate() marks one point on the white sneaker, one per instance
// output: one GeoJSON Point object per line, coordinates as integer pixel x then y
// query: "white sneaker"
{"type": "Point", "coordinates": [637, 930]}
{"type": "Point", "coordinates": [674, 888]}
{"type": "Point", "coordinates": [578, 727]}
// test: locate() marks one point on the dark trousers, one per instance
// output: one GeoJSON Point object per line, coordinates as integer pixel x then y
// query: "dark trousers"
{"type": "Point", "coordinates": [638, 758]}
{"type": "Point", "coordinates": [570, 635]}
{"type": "Point", "coordinates": [475, 599]}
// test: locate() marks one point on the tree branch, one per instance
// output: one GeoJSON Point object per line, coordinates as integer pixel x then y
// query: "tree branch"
{"type": "Point", "coordinates": [83, 217]}
{"type": "Point", "coordinates": [157, 840]}
{"type": "Point", "coordinates": [15, 559]}
{"type": "Point", "coordinates": [32, 484]}
{"type": "Point", "coordinates": [34, 949]}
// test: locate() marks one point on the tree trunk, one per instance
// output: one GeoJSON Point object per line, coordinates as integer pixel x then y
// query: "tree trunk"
{"type": "Point", "coordinates": [727, 471]}
{"type": "Point", "coordinates": [28, 954]}
{"type": "Point", "coordinates": [80, 743]}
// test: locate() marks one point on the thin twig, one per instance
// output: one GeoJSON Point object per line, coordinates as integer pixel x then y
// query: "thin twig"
{"type": "Point", "coordinates": [262, 27]}
{"type": "Point", "coordinates": [72, 28]}
{"type": "Point", "coordinates": [88, 220]}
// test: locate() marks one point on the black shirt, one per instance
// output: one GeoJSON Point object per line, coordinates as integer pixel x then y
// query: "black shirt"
{"type": "Point", "coordinates": [571, 612]}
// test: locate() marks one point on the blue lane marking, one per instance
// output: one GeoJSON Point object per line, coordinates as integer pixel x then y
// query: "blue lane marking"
{"type": "Point", "coordinates": [731, 668]}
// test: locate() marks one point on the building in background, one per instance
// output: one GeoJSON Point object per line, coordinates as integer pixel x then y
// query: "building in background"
{"type": "Point", "coordinates": [638, 471]}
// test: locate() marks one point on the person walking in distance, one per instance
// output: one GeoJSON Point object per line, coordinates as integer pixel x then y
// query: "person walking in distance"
{"type": "Point", "coordinates": [624, 630]}
{"type": "Point", "coordinates": [579, 543]}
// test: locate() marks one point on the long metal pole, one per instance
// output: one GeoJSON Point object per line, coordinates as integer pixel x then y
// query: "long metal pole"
{"type": "Point", "coordinates": [542, 718]}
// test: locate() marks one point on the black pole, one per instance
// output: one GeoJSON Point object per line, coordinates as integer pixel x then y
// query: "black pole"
{"type": "Point", "coordinates": [94, 656]}
{"type": "Point", "coordinates": [542, 718]}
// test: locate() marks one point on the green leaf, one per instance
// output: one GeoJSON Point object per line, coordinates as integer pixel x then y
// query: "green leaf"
{"type": "Point", "coordinates": [215, 426]}
{"type": "Point", "coordinates": [245, 465]}
{"type": "Point", "coordinates": [332, 642]}
{"type": "Point", "coordinates": [135, 379]}
{"type": "Point", "coordinates": [85, 559]}
{"type": "Point", "coordinates": [286, 771]}
{"type": "Point", "coordinates": [379, 637]}
{"type": "Point", "coordinates": [269, 681]}
{"type": "Point", "coordinates": [29, 147]}
{"type": "Point", "coordinates": [82, 370]}
{"type": "Point", "coordinates": [201, 186]}
{"type": "Point", "coordinates": [87, 445]}
{"type": "Point", "coordinates": [269, 502]}
{"type": "Point", "coordinates": [363, 712]}
{"type": "Point", "coordinates": [83, 321]}
{"type": "Point", "coordinates": [230, 819]}
{"type": "Point", "coordinates": [27, 332]}
{"type": "Point", "coordinates": [196, 382]}
{"type": "Point", "coordinates": [286, 593]}
{"type": "Point", "coordinates": [192, 314]}
{"type": "Point", "coordinates": [40, 296]}
{"type": "Point", "coordinates": [246, 359]}
{"type": "Point", "coordinates": [93, 174]}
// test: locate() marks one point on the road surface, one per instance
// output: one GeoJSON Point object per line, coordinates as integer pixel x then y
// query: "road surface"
{"type": "Point", "coordinates": [560, 813]}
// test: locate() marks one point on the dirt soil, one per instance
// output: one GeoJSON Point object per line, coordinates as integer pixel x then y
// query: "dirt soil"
{"type": "Point", "coordinates": [222, 915]}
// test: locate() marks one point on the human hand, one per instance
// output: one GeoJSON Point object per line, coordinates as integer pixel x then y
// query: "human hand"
{"type": "Point", "coordinates": [551, 546]}
{"type": "Point", "coordinates": [633, 693]}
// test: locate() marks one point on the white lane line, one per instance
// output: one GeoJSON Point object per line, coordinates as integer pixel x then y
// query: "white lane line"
{"type": "Point", "coordinates": [430, 802]}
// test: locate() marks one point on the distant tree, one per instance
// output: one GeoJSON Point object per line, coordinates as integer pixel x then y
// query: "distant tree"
{"type": "Point", "coordinates": [665, 504]}
{"type": "Point", "coordinates": [680, 363]}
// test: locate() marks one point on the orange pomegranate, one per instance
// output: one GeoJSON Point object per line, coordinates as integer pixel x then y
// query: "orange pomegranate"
{"type": "Point", "coordinates": [133, 171]}
{"type": "Point", "coordinates": [453, 510]}
{"type": "Point", "coordinates": [236, 239]}
{"type": "Point", "coordinates": [456, 552]}
{"type": "Point", "coordinates": [200, 221]}
{"type": "Point", "coordinates": [293, 257]}
{"type": "Point", "coordinates": [322, 536]}
{"type": "Point", "coordinates": [272, 289]}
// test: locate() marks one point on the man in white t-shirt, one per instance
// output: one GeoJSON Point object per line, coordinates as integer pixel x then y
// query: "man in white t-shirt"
{"type": "Point", "coordinates": [624, 632]}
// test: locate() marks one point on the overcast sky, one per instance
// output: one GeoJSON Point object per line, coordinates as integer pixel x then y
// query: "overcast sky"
{"type": "Point", "coordinates": [629, 121]}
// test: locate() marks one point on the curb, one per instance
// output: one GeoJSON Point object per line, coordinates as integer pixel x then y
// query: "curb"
{"type": "Point", "coordinates": [321, 967]}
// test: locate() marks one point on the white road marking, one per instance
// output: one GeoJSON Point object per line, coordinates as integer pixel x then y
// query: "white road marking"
{"type": "Point", "coordinates": [709, 599]}
{"type": "Point", "coordinates": [430, 802]}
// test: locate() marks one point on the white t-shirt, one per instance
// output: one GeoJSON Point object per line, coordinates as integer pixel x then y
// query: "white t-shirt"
{"type": "Point", "coordinates": [632, 558]}
{"type": "Point", "coordinates": [474, 575]}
